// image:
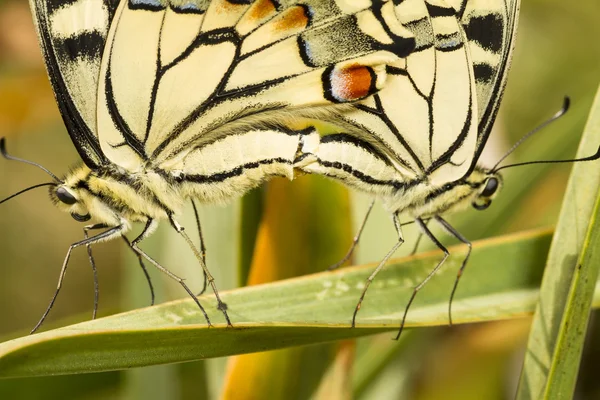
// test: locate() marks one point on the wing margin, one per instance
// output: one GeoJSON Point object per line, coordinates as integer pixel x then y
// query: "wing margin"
{"type": "Point", "coordinates": [81, 44]}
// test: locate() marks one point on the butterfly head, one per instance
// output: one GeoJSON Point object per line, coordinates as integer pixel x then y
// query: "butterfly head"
{"type": "Point", "coordinates": [70, 195]}
{"type": "Point", "coordinates": [68, 200]}
{"type": "Point", "coordinates": [487, 184]}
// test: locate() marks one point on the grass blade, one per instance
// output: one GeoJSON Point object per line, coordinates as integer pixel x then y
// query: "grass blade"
{"type": "Point", "coordinates": [568, 243]}
{"type": "Point", "coordinates": [567, 356]}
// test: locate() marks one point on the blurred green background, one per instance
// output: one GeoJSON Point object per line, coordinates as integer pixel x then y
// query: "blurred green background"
{"type": "Point", "coordinates": [557, 54]}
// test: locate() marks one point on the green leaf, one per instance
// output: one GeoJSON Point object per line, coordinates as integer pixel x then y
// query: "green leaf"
{"type": "Point", "coordinates": [501, 282]}
{"type": "Point", "coordinates": [556, 339]}
{"type": "Point", "coordinates": [567, 357]}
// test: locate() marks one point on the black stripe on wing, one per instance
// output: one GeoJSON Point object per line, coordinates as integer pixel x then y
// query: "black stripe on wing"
{"type": "Point", "coordinates": [380, 112]}
{"type": "Point", "coordinates": [86, 45]}
{"type": "Point", "coordinates": [369, 148]}
{"type": "Point", "coordinates": [263, 125]}
{"type": "Point", "coordinates": [368, 179]}
{"type": "Point", "coordinates": [53, 5]}
{"type": "Point", "coordinates": [445, 42]}
{"type": "Point", "coordinates": [132, 141]}
{"type": "Point", "coordinates": [147, 5]}
{"type": "Point", "coordinates": [349, 139]}
{"type": "Point", "coordinates": [81, 134]}
{"type": "Point", "coordinates": [508, 35]}
{"type": "Point", "coordinates": [484, 29]}
{"type": "Point", "coordinates": [447, 155]}
{"type": "Point", "coordinates": [237, 171]}
{"type": "Point", "coordinates": [487, 31]}
{"type": "Point", "coordinates": [483, 72]}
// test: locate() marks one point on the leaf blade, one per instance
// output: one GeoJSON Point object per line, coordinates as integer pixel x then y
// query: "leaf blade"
{"type": "Point", "coordinates": [312, 309]}
{"type": "Point", "coordinates": [567, 244]}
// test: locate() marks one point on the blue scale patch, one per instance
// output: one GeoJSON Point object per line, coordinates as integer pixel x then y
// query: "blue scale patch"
{"type": "Point", "coordinates": [148, 5]}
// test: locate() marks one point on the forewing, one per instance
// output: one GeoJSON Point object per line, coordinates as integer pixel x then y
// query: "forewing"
{"type": "Point", "coordinates": [72, 36]}
{"type": "Point", "coordinates": [176, 75]}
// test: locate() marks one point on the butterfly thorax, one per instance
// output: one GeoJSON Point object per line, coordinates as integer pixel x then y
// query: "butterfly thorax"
{"type": "Point", "coordinates": [422, 200]}
{"type": "Point", "coordinates": [114, 197]}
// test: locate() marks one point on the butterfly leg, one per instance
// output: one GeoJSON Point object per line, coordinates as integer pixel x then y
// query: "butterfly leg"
{"type": "Point", "coordinates": [148, 229]}
{"type": "Point", "coordinates": [88, 247]}
{"type": "Point", "coordinates": [211, 281]}
{"type": "Point", "coordinates": [450, 229]}
{"type": "Point", "coordinates": [202, 247]}
{"type": "Point", "coordinates": [417, 288]}
{"type": "Point", "coordinates": [354, 241]}
{"type": "Point", "coordinates": [104, 236]}
{"type": "Point", "coordinates": [414, 250]}
{"type": "Point", "coordinates": [379, 267]}
{"type": "Point", "coordinates": [146, 274]}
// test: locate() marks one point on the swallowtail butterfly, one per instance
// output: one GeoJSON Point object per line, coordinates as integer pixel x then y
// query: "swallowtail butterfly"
{"type": "Point", "coordinates": [169, 101]}
{"type": "Point", "coordinates": [415, 145]}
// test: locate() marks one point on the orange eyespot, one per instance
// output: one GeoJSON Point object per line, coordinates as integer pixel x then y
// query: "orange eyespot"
{"type": "Point", "coordinates": [349, 84]}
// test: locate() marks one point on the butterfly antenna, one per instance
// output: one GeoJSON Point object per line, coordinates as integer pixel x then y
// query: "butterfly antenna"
{"type": "Point", "coordinates": [12, 158]}
{"type": "Point", "coordinates": [593, 157]}
{"type": "Point", "coordinates": [560, 113]}
{"type": "Point", "coordinates": [27, 190]}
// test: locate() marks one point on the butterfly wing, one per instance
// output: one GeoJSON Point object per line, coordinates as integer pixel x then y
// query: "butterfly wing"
{"type": "Point", "coordinates": [434, 114]}
{"type": "Point", "coordinates": [424, 120]}
{"type": "Point", "coordinates": [490, 26]}
{"type": "Point", "coordinates": [180, 75]}
{"type": "Point", "coordinates": [72, 36]}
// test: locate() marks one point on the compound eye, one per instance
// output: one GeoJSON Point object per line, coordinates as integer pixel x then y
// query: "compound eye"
{"type": "Point", "coordinates": [81, 218]}
{"type": "Point", "coordinates": [64, 196]}
{"type": "Point", "coordinates": [482, 206]}
{"type": "Point", "coordinates": [490, 188]}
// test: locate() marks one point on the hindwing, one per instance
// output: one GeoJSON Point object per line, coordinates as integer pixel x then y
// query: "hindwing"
{"type": "Point", "coordinates": [176, 75]}
{"type": "Point", "coordinates": [431, 120]}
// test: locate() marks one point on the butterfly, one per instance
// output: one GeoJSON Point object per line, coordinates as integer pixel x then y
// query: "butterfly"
{"type": "Point", "coordinates": [170, 101]}
{"type": "Point", "coordinates": [416, 144]}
